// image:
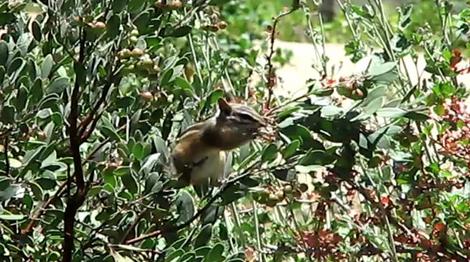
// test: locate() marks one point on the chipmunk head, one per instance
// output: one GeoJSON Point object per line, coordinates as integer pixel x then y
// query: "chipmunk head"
{"type": "Point", "coordinates": [233, 126]}
{"type": "Point", "coordinates": [241, 117]}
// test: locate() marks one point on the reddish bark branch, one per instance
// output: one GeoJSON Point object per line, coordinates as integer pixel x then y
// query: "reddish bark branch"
{"type": "Point", "coordinates": [271, 75]}
{"type": "Point", "coordinates": [74, 202]}
{"type": "Point", "coordinates": [60, 191]}
{"type": "Point", "coordinates": [133, 225]}
{"type": "Point", "coordinates": [38, 213]}
{"type": "Point", "coordinates": [87, 126]}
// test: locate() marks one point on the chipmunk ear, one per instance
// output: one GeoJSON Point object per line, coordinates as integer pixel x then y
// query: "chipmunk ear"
{"type": "Point", "coordinates": [224, 106]}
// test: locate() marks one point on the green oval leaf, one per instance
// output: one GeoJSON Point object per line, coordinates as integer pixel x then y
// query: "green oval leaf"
{"type": "Point", "coordinates": [183, 84]}
{"type": "Point", "coordinates": [130, 182]}
{"type": "Point", "coordinates": [317, 157]}
{"type": "Point", "coordinates": [3, 53]}
{"type": "Point", "coordinates": [36, 92]}
{"type": "Point", "coordinates": [124, 102]}
{"type": "Point", "coordinates": [58, 85]}
{"type": "Point", "coordinates": [2, 74]}
{"type": "Point", "coordinates": [204, 236]}
{"type": "Point", "coordinates": [21, 98]}
{"type": "Point", "coordinates": [141, 21]}
{"type": "Point", "coordinates": [8, 114]}
{"type": "Point", "coordinates": [269, 153]}
{"type": "Point", "coordinates": [110, 180]}
{"type": "Point", "coordinates": [112, 26]}
{"type": "Point", "coordinates": [108, 132]}
{"type": "Point", "coordinates": [6, 18]}
{"type": "Point", "coordinates": [215, 96]}
{"type": "Point", "coordinates": [185, 206]}
{"type": "Point", "coordinates": [36, 189]}
{"type": "Point", "coordinates": [46, 66]}
{"type": "Point", "coordinates": [390, 112]}
{"type": "Point", "coordinates": [122, 170]}
{"type": "Point", "coordinates": [138, 151]}
{"type": "Point", "coordinates": [15, 65]}
{"type": "Point", "coordinates": [215, 254]}
{"type": "Point", "coordinates": [118, 5]}
{"type": "Point", "coordinates": [36, 31]}
{"type": "Point", "coordinates": [291, 149]}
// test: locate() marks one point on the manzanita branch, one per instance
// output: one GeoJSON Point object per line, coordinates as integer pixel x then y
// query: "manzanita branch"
{"type": "Point", "coordinates": [77, 199]}
{"type": "Point", "coordinates": [79, 133]}
{"type": "Point", "coordinates": [89, 123]}
{"type": "Point", "coordinates": [60, 191]}
{"type": "Point", "coordinates": [133, 225]}
{"type": "Point", "coordinates": [40, 210]}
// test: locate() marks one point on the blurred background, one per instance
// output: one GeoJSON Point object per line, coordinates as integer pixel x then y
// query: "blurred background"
{"type": "Point", "coordinates": [254, 15]}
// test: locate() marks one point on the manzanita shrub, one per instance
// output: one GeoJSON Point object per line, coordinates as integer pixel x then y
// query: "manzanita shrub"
{"type": "Point", "coordinates": [372, 166]}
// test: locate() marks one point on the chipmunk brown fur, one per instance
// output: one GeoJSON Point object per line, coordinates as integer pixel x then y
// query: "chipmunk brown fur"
{"type": "Point", "coordinates": [200, 152]}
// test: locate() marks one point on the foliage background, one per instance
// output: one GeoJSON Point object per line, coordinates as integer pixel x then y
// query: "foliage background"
{"type": "Point", "coordinates": [94, 92]}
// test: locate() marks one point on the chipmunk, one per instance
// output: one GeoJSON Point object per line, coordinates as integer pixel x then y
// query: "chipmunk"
{"type": "Point", "coordinates": [200, 152]}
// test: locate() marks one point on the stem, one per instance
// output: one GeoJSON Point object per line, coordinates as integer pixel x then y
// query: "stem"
{"type": "Point", "coordinates": [133, 225]}
{"type": "Point", "coordinates": [258, 235]}
{"type": "Point", "coordinates": [7, 161]}
{"type": "Point", "coordinates": [231, 242]}
{"type": "Point", "coordinates": [193, 54]}
{"type": "Point", "coordinates": [393, 248]}
{"type": "Point", "coordinates": [42, 208]}
{"type": "Point", "coordinates": [238, 223]}
{"type": "Point", "coordinates": [321, 58]}
{"type": "Point", "coordinates": [271, 76]}
{"type": "Point", "coordinates": [226, 81]}
{"type": "Point", "coordinates": [348, 20]}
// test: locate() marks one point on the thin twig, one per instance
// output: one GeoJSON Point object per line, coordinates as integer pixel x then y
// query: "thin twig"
{"type": "Point", "coordinates": [133, 225]}
{"type": "Point", "coordinates": [193, 54]}
{"type": "Point", "coordinates": [87, 126]}
{"type": "Point", "coordinates": [40, 210]}
{"type": "Point", "coordinates": [92, 234]}
{"type": "Point", "coordinates": [258, 234]}
{"type": "Point", "coordinates": [135, 249]}
{"type": "Point", "coordinates": [271, 75]}
{"type": "Point", "coordinates": [7, 161]}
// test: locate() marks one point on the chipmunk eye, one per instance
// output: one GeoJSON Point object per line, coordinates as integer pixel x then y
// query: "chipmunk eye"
{"type": "Point", "coordinates": [246, 117]}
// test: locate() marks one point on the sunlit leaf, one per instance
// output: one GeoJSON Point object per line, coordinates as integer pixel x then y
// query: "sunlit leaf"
{"type": "Point", "coordinates": [185, 206]}
{"type": "Point", "coordinates": [58, 85]}
{"type": "Point", "coordinates": [46, 66]}
{"type": "Point", "coordinates": [11, 217]}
